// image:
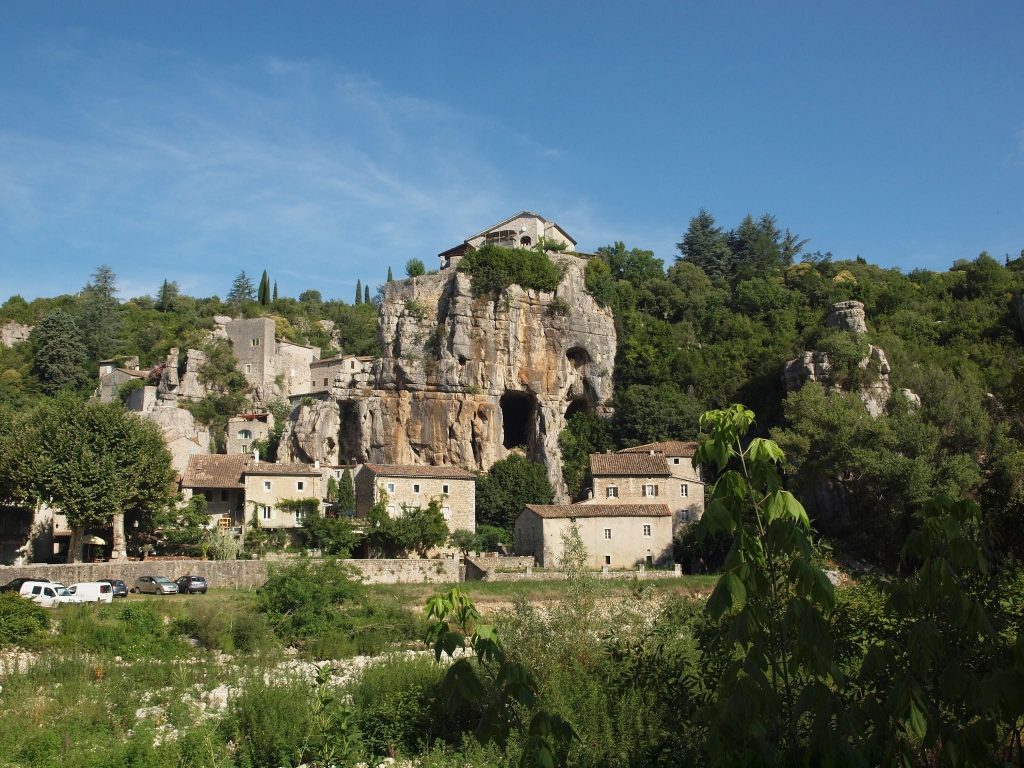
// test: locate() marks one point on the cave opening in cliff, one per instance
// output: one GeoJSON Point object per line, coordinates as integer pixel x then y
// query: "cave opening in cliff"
{"type": "Point", "coordinates": [350, 434]}
{"type": "Point", "coordinates": [578, 405]}
{"type": "Point", "coordinates": [518, 413]}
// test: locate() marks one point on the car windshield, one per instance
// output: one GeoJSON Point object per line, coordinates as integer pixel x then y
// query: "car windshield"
{"type": "Point", "coordinates": [62, 591]}
{"type": "Point", "coordinates": [162, 580]}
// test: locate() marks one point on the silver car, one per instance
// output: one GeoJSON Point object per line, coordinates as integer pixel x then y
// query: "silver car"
{"type": "Point", "coordinates": [155, 585]}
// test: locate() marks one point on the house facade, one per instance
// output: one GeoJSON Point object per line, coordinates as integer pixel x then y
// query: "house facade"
{"type": "Point", "coordinates": [615, 535]}
{"type": "Point", "coordinates": [524, 230]}
{"type": "Point", "coordinates": [417, 486]}
{"type": "Point", "coordinates": [244, 429]}
{"type": "Point", "coordinates": [218, 477]}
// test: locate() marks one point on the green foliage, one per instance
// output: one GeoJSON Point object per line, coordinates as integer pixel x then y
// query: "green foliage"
{"type": "Point", "coordinates": [242, 290]}
{"type": "Point", "coordinates": [493, 268]}
{"type": "Point", "coordinates": [263, 294]}
{"type": "Point", "coordinates": [20, 619]}
{"type": "Point", "coordinates": [58, 354]}
{"type": "Point", "coordinates": [359, 292]}
{"type": "Point", "coordinates": [464, 540]}
{"type": "Point", "coordinates": [334, 536]}
{"type": "Point", "coordinates": [416, 529]}
{"type": "Point", "coordinates": [650, 414]}
{"type": "Point", "coordinates": [346, 494]}
{"type": "Point", "coordinates": [307, 599]}
{"type": "Point", "coordinates": [414, 268]}
{"type": "Point", "coordinates": [507, 488]}
{"type": "Point", "coordinates": [584, 434]}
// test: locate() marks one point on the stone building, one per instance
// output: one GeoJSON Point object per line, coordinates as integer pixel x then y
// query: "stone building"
{"type": "Point", "coordinates": [417, 486]}
{"type": "Point", "coordinates": [615, 535]}
{"type": "Point", "coordinates": [242, 430]}
{"type": "Point", "coordinates": [114, 374]}
{"type": "Point", "coordinates": [524, 230]}
{"type": "Point", "coordinates": [657, 472]}
{"type": "Point", "coordinates": [273, 367]}
{"type": "Point", "coordinates": [239, 487]}
{"type": "Point", "coordinates": [340, 371]}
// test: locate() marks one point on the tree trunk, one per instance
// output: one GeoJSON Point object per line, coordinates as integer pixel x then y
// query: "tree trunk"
{"type": "Point", "coordinates": [118, 549]}
{"type": "Point", "coordinates": [75, 545]}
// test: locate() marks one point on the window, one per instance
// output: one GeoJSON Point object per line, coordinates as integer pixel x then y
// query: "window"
{"type": "Point", "coordinates": [446, 512]}
{"type": "Point", "coordinates": [223, 495]}
{"type": "Point", "coordinates": [352, 365]}
{"type": "Point", "coordinates": [607, 559]}
{"type": "Point", "coordinates": [415, 487]}
{"type": "Point", "coordinates": [684, 491]}
{"type": "Point", "coordinates": [650, 561]}
{"type": "Point", "coordinates": [612, 491]}
{"type": "Point", "coordinates": [607, 533]}
{"type": "Point", "coordinates": [300, 485]}
{"type": "Point", "coordinates": [291, 373]}
{"type": "Point", "coordinates": [255, 342]}
{"type": "Point", "coordinates": [325, 381]}
{"type": "Point", "coordinates": [224, 521]}
{"type": "Point", "coordinates": [245, 434]}
{"type": "Point", "coordinates": [208, 495]}
{"type": "Point", "coordinates": [300, 514]}
{"type": "Point", "coordinates": [391, 487]}
{"type": "Point", "coordinates": [647, 530]}
{"type": "Point", "coordinates": [267, 511]}
{"type": "Point", "coordinates": [525, 241]}
{"type": "Point", "coordinates": [266, 485]}
{"type": "Point", "coordinates": [444, 488]}
{"type": "Point", "coordinates": [248, 367]}
{"type": "Point", "coordinates": [650, 490]}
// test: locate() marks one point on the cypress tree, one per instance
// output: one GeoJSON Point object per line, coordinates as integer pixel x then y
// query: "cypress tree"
{"type": "Point", "coordinates": [366, 295]}
{"type": "Point", "coordinates": [264, 292]}
{"type": "Point", "coordinates": [390, 278]}
{"type": "Point", "coordinates": [275, 290]}
{"type": "Point", "coordinates": [359, 292]}
{"type": "Point", "coordinates": [346, 494]}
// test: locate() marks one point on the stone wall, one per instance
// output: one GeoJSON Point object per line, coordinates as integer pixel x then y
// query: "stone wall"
{"type": "Point", "coordinates": [239, 574]}
{"type": "Point", "coordinates": [482, 567]}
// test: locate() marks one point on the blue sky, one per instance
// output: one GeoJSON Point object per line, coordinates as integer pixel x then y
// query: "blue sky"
{"type": "Point", "coordinates": [327, 141]}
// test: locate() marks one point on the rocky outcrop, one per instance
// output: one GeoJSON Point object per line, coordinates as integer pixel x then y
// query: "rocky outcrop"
{"type": "Point", "coordinates": [816, 365]}
{"type": "Point", "coordinates": [465, 380]}
{"type": "Point", "coordinates": [315, 427]}
{"type": "Point", "coordinates": [12, 333]}
{"type": "Point", "coordinates": [182, 435]}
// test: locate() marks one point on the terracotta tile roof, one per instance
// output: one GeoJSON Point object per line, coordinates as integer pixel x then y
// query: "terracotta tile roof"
{"type": "Point", "coordinates": [620, 464]}
{"type": "Point", "coordinates": [668, 447]}
{"type": "Point", "coordinates": [215, 470]}
{"type": "Point", "coordinates": [413, 470]}
{"type": "Point", "coordinates": [599, 510]}
{"type": "Point", "coordinates": [266, 468]}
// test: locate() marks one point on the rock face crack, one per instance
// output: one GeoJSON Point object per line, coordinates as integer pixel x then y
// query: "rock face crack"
{"type": "Point", "coordinates": [451, 360]}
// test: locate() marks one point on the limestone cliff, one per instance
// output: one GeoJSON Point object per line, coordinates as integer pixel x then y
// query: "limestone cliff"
{"type": "Point", "coordinates": [816, 366]}
{"type": "Point", "coordinates": [12, 333]}
{"type": "Point", "coordinates": [464, 380]}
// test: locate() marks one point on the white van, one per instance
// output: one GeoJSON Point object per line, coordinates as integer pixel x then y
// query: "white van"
{"type": "Point", "coordinates": [93, 591]}
{"type": "Point", "coordinates": [48, 593]}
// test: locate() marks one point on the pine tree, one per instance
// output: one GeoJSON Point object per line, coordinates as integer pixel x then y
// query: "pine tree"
{"type": "Point", "coordinates": [705, 245]}
{"type": "Point", "coordinates": [366, 295]}
{"type": "Point", "coordinates": [264, 292]}
{"type": "Point", "coordinates": [166, 296]}
{"type": "Point", "coordinates": [359, 292]}
{"type": "Point", "coordinates": [390, 278]}
{"type": "Point", "coordinates": [275, 290]}
{"type": "Point", "coordinates": [58, 354]}
{"type": "Point", "coordinates": [99, 315]}
{"type": "Point", "coordinates": [241, 289]}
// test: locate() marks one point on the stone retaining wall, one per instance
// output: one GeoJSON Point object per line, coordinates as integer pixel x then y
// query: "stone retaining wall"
{"type": "Point", "coordinates": [531, 575]}
{"type": "Point", "coordinates": [240, 574]}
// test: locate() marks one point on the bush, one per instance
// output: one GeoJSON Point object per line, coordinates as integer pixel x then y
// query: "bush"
{"type": "Point", "coordinates": [268, 723]}
{"type": "Point", "coordinates": [307, 599]}
{"type": "Point", "coordinates": [20, 619]}
{"type": "Point", "coordinates": [494, 268]}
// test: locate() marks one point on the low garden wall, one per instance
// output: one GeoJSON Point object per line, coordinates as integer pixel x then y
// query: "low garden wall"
{"type": "Point", "coordinates": [240, 574]}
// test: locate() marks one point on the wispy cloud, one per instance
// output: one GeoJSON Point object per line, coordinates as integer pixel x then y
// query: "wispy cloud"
{"type": "Point", "coordinates": [164, 167]}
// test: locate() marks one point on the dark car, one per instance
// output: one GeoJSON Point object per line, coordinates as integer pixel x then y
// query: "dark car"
{"type": "Point", "coordinates": [191, 584]}
{"type": "Point", "coordinates": [15, 585]}
{"type": "Point", "coordinates": [119, 587]}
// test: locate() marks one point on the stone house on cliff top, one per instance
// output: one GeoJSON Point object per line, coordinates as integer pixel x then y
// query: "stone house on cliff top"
{"type": "Point", "coordinates": [524, 230]}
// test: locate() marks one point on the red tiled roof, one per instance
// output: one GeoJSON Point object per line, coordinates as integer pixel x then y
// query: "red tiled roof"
{"type": "Point", "coordinates": [668, 447]}
{"type": "Point", "coordinates": [620, 464]}
{"type": "Point", "coordinates": [424, 471]}
{"type": "Point", "coordinates": [599, 510]}
{"type": "Point", "coordinates": [215, 470]}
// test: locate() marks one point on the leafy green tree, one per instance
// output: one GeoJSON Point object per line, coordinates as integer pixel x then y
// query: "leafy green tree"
{"type": "Point", "coordinates": [705, 245]}
{"type": "Point", "coordinates": [311, 297]}
{"type": "Point", "coordinates": [635, 266]}
{"type": "Point", "coordinates": [227, 389]}
{"type": "Point", "coordinates": [507, 488]}
{"type": "Point", "coordinates": [359, 292]}
{"type": "Point", "coordinates": [415, 268]}
{"type": "Point", "coordinates": [584, 434]}
{"type": "Point", "coordinates": [650, 414]}
{"type": "Point", "coordinates": [242, 290]}
{"type": "Point", "coordinates": [464, 540]}
{"type": "Point", "coordinates": [416, 529]}
{"type": "Point", "coordinates": [95, 462]}
{"type": "Point", "coordinates": [493, 268]}
{"type": "Point", "coordinates": [58, 354]}
{"type": "Point", "coordinates": [333, 536]}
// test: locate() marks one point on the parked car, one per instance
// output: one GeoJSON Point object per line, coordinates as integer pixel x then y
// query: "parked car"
{"type": "Point", "coordinates": [191, 584]}
{"type": "Point", "coordinates": [155, 585]}
{"type": "Point", "coordinates": [47, 593]}
{"type": "Point", "coordinates": [93, 591]}
{"type": "Point", "coordinates": [120, 589]}
{"type": "Point", "coordinates": [15, 584]}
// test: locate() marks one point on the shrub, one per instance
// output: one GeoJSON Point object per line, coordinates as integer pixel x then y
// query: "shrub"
{"type": "Point", "coordinates": [307, 599]}
{"type": "Point", "coordinates": [494, 268]}
{"type": "Point", "coordinates": [20, 619]}
{"type": "Point", "coordinates": [268, 723]}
